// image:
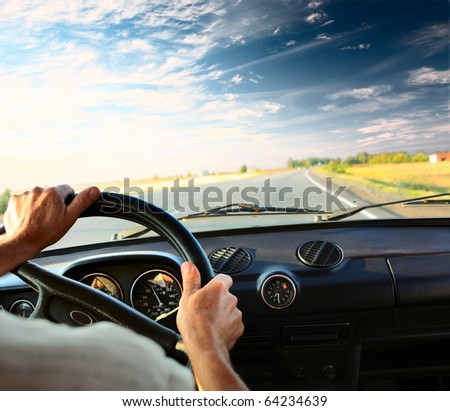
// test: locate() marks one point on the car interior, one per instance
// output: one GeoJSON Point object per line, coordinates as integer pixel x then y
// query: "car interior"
{"type": "Point", "coordinates": [300, 147]}
{"type": "Point", "coordinates": [349, 305]}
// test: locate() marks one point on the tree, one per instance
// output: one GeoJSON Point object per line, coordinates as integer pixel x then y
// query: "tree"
{"type": "Point", "coordinates": [362, 157]}
{"type": "Point", "coordinates": [401, 157]}
{"type": "Point", "coordinates": [243, 168]}
{"type": "Point", "coordinates": [4, 199]}
{"type": "Point", "coordinates": [351, 160]}
{"type": "Point", "coordinates": [420, 157]}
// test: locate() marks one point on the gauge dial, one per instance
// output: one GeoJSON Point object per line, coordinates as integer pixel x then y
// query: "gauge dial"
{"type": "Point", "coordinates": [155, 293]}
{"type": "Point", "coordinates": [104, 283]}
{"type": "Point", "coordinates": [22, 308]}
{"type": "Point", "coordinates": [278, 291]}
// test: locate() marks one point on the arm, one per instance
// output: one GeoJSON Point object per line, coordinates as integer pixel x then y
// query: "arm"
{"type": "Point", "coordinates": [210, 324]}
{"type": "Point", "coordinates": [37, 219]}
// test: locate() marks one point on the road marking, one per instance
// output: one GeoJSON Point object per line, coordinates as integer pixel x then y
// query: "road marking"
{"type": "Point", "coordinates": [348, 203]}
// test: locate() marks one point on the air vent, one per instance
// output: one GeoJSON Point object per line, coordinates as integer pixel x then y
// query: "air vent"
{"type": "Point", "coordinates": [321, 254]}
{"type": "Point", "coordinates": [255, 338]}
{"type": "Point", "coordinates": [230, 260]}
{"type": "Point", "coordinates": [314, 334]}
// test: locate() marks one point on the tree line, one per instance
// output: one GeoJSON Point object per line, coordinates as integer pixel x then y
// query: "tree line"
{"type": "Point", "coordinates": [339, 165]}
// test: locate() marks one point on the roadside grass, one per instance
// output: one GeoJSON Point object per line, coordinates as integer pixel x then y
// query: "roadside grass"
{"type": "Point", "coordinates": [398, 180]}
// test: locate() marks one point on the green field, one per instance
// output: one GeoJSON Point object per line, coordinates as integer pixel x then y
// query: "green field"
{"type": "Point", "coordinates": [403, 180]}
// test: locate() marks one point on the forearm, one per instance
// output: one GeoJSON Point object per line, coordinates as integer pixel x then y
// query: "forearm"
{"type": "Point", "coordinates": [14, 252]}
{"type": "Point", "coordinates": [215, 373]}
{"type": "Point", "coordinates": [210, 324]}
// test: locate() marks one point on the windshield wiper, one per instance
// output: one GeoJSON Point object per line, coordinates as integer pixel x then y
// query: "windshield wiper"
{"type": "Point", "coordinates": [249, 208]}
{"type": "Point", "coordinates": [436, 203]}
{"type": "Point", "coordinates": [422, 201]}
{"type": "Point", "coordinates": [131, 233]}
{"type": "Point", "coordinates": [234, 208]}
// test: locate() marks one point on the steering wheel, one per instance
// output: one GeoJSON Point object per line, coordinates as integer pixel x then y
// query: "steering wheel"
{"type": "Point", "coordinates": [60, 295]}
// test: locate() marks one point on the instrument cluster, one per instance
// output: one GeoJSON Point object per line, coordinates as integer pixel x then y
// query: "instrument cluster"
{"type": "Point", "coordinates": [151, 286]}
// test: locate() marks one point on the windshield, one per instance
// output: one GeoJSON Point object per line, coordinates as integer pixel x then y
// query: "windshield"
{"type": "Point", "coordinates": [324, 105]}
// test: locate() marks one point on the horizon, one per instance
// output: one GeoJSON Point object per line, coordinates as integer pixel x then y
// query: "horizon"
{"type": "Point", "coordinates": [101, 90]}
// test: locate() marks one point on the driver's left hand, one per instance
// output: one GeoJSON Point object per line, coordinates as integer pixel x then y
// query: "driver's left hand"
{"type": "Point", "coordinates": [38, 218]}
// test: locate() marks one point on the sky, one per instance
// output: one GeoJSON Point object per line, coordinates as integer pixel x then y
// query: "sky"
{"type": "Point", "coordinates": [94, 91]}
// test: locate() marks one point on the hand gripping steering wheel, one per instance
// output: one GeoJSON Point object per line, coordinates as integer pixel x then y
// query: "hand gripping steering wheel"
{"type": "Point", "coordinates": [58, 293]}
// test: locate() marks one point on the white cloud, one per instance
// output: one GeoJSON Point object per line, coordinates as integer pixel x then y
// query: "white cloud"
{"type": "Point", "coordinates": [367, 102]}
{"type": "Point", "coordinates": [382, 125]}
{"type": "Point", "coordinates": [315, 17]}
{"type": "Point", "coordinates": [362, 46]}
{"type": "Point", "coordinates": [445, 128]}
{"type": "Point", "coordinates": [290, 43]}
{"type": "Point", "coordinates": [255, 79]}
{"type": "Point", "coordinates": [231, 96]}
{"type": "Point", "coordinates": [230, 108]}
{"type": "Point", "coordinates": [88, 12]}
{"type": "Point", "coordinates": [237, 38]}
{"type": "Point", "coordinates": [314, 4]}
{"type": "Point", "coordinates": [327, 23]}
{"type": "Point", "coordinates": [428, 76]}
{"type": "Point", "coordinates": [361, 93]}
{"type": "Point", "coordinates": [237, 79]}
{"type": "Point", "coordinates": [323, 36]}
{"type": "Point", "coordinates": [197, 40]}
{"type": "Point", "coordinates": [414, 130]}
{"type": "Point", "coordinates": [272, 107]}
{"type": "Point", "coordinates": [134, 45]}
{"type": "Point", "coordinates": [368, 141]}
{"type": "Point", "coordinates": [430, 39]}
{"type": "Point", "coordinates": [387, 130]}
{"type": "Point", "coordinates": [215, 74]}
{"type": "Point", "coordinates": [276, 31]}
{"type": "Point", "coordinates": [227, 135]}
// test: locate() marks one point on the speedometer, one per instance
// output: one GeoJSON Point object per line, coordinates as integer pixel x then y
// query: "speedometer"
{"type": "Point", "coordinates": [155, 293]}
{"type": "Point", "coordinates": [104, 283]}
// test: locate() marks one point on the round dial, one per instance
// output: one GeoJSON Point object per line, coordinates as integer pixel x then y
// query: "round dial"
{"type": "Point", "coordinates": [278, 291]}
{"type": "Point", "coordinates": [155, 293]}
{"type": "Point", "coordinates": [103, 283]}
{"type": "Point", "coordinates": [22, 308]}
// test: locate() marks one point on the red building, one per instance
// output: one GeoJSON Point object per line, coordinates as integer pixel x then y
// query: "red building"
{"type": "Point", "coordinates": [438, 157]}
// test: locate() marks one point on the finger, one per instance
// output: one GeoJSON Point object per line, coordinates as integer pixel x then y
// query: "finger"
{"type": "Point", "coordinates": [226, 280]}
{"type": "Point", "coordinates": [64, 190]}
{"type": "Point", "coordinates": [191, 278]}
{"type": "Point", "coordinates": [35, 192]}
{"type": "Point", "coordinates": [82, 201]}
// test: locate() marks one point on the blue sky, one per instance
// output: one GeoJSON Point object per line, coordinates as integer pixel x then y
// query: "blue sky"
{"type": "Point", "coordinates": [102, 90]}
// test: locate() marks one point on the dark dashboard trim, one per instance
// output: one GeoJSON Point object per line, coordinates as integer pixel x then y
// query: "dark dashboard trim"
{"type": "Point", "coordinates": [427, 222]}
{"type": "Point", "coordinates": [126, 256]}
{"type": "Point", "coordinates": [348, 319]}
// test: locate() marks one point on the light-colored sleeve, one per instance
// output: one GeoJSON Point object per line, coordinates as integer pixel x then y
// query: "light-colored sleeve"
{"type": "Point", "coordinates": [39, 355]}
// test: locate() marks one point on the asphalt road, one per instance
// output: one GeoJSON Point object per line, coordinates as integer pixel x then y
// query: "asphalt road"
{"type": "Point", "coordinates": [299, 189]}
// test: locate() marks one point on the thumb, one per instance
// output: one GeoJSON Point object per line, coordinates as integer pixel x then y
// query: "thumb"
{"type": "Point", "coordinates": [82, 201]}
{"type": "Point", "coordinates": [191, 278]}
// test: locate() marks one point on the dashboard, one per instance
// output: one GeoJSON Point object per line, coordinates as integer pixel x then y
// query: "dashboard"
{"type": "Point", "coordinates": [347, 305]}
{"type": "Point", "coordinates": [150, 283]}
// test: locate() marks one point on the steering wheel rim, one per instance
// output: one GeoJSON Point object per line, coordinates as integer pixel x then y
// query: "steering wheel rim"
{"type": "Point", "coordinates": [59, 294]}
